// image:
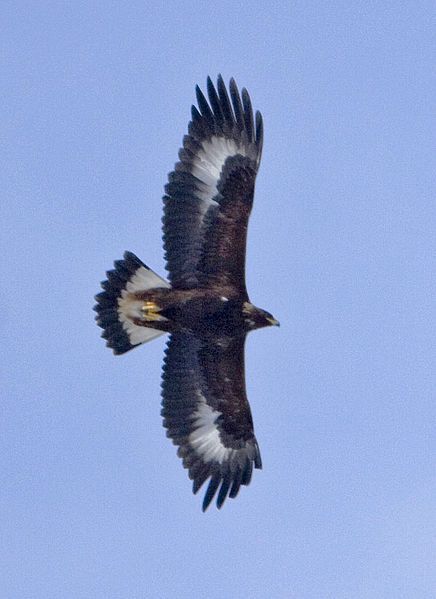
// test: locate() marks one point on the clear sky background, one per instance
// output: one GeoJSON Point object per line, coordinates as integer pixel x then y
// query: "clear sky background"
{"type": "Point", "coordinates": [95, 99]}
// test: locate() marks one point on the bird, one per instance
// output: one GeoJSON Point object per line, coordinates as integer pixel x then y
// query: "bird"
{"type": "Point", "coordinates": [203, 304]}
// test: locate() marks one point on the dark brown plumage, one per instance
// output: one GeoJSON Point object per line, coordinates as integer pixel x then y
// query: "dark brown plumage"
{"type": "Point", "coordinates": [205, 306]}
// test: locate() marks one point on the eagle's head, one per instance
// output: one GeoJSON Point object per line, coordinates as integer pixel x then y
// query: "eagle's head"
{"type": "Point", "coordinates": [256, 318]}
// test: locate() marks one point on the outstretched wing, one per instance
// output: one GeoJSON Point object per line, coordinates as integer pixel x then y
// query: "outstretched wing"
{"type": "Point", "coordinates": [207, 415]}
{"type": "Point", "coordinates": [210, 193]}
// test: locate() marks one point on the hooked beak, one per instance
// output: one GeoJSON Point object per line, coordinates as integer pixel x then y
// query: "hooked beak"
{"type": "Point", "coordinates": [273, 322]}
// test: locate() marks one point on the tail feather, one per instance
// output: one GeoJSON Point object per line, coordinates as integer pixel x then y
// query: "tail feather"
{"type": "Point", "coordinates": [114, 305]}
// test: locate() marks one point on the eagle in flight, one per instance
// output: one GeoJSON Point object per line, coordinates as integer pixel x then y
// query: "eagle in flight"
{"type": "Point", "coordinates": [204, 305]}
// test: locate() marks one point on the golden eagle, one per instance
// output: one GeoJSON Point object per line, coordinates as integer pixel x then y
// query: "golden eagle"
{"type": "Point", "coordinates": [205, 306]}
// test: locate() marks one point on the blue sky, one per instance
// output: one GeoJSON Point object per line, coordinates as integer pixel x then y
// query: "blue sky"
{"type": "Point", "coordinates": [95, 100]}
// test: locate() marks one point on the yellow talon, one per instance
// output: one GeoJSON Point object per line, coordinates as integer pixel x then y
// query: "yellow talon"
{"type": "Point", "coordinates": [151, 311]}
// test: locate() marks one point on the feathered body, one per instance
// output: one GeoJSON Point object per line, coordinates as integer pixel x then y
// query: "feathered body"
{"type": "Point", "coordinates": [205, 305]}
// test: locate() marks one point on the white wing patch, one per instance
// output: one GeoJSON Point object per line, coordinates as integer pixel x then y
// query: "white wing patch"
{"type": "Point", "coordinates": [205, 439]}
{"type": "Point", "coordinates": [209, 162]}
{"type": "Point", "coordinates": [128, 307]}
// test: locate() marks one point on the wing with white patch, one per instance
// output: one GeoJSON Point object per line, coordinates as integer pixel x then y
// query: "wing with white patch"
{"type": "Point", "coordinates": [207, 415]}
{"type": "Point", "coordinates": [116, 307]}
{"type": "Point", "coordinates": [212, 188]}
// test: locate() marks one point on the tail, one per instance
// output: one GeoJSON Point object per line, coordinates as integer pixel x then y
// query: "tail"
{"type": "Point", "coordinates": [114, 306]}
